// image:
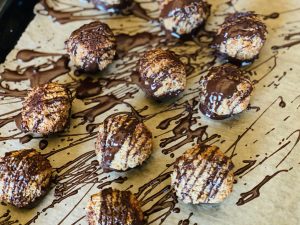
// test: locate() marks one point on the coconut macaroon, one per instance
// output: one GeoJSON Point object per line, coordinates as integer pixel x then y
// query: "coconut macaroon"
{"type": "Point", "coordinates": [92, 47]}
{"type": "Point", "coordinates": [112, 5]}
{"type": "Point", "coordinates": [24, 177]}
{"type": "Point", "coordinates": [241, 37]}
{"type": "Point", "coordinates": [123, 142]}
{"type": "Point", "coordinates": [183, 17]}
{"type": "Point", "coordinates": [111, 206]}
{"type": "Point", "coordinates": [203, 174]}
{"type": "Point", "coordinates": [46, 109]}
{"type": "Point", "coordinates": [224, 92]}
{"type": "Point", "coordinates": [162, 74]}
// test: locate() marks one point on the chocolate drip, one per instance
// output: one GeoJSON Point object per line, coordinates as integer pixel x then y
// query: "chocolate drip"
{"type": "Point", "coordinates": [27, 55]}
{"type": "Point", "coordinates": [164, 200]}
{"type": "Point", "coordinates": [249, 164]}
{"type": "Point", "coordinates": [118, 207]}
{"type": "Point", "coordinates": [288, 45]}
{"type": "Point", "coordinates": [256, 108]}
{"type": "Point", "coordinates": [255, 192]}
{"type": "Point", "coordinates": [282, 103]}
{"type": "Point", "coordinates": [6, 219]}
{"type": "Point", "coordinates": [183, 128]}
{"type": "Point", "coordinates": [37, 75]}
{"type": "Point", "coordinates": [126, 42]}
{"type": "Point", "coordinates": [105, 103]}
{"type": "Point", "coordinates": [273, 15]}
{"type": "Point", "coordinates": [88, 88]}
{"type": "Point", "coordinates": [43, 144]}
{"type": "Point", "coordinates": [25, 139]}
{"type": "Point", "coordinates": [64, 16]}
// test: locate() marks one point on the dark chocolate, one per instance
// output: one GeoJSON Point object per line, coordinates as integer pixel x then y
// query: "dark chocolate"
{"type": "Point", "coordinates": [222, 86]}
{"type": "Point", "coordinates": [152, 83]}
{"type": "Point", "coordinates": [39, 102]}
{"type": "Point", "coordinates": [117, 207]}
{"type": "Point", "coordinates": [98, 41]}
{"type": "Point", "coordinates": [173, 5]}
{"type": "Point", "coordinates": [19, 178]}
{"type": "Point", "coordinates": [219, 167]}
{"type": "Point", "coordinates": [110, 146]}
{"type": "Point", "coordinates": [237, 25]}
{"type": "Point", "coordinates": [243, 24]}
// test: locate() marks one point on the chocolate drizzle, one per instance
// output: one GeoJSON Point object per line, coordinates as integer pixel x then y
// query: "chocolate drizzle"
{"type": "Point", "coordinates": [221, 84]}
{"type": "Point", "coordinates": [27, 55]}
{"type": "Point", "coordinates": [214, 168]}
{"type": "Point", "coordinates": [116, 130]}
{"type": "Point", "coordinates": [22, 187]}
{"type": "Point", "coordinates": [290, 44]}
{"type": "Point", "coordinates": [249, 164]}
{"type": "Point", "coordinates": [88, 88]}
{"type": "Point", "coordinates": [255, 192]}
{"type": "Point", "coordinates": [37, 75]}
{"type": "Point", "coordinates": [175, 5]}
{"type": "Point", "coordinates": [66, 15]}
{"type": "Point", "coordinates": [6, 219]}
{"type": "Point", "coordinates": [241, 24]}
{"type": "Point", "coordinates": [273, 15]}
{"type": "Point", "coordinates": [179, 124]}
{"type": "Point", "coordinates": [116, 207]}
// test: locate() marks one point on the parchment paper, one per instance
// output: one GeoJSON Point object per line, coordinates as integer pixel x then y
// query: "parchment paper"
{"type": "Point", "coordinates": [265, 137]}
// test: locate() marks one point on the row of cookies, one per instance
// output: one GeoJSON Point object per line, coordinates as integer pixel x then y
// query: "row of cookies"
{"type": "Point", "coordinates": [202, 174]}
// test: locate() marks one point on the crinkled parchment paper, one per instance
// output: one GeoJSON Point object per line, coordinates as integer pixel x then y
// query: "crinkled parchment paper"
{"type": "Point", "coordinates": [263, 141]}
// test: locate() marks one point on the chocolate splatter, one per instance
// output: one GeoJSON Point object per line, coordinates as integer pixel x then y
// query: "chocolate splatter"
{"type": "Point", "coordinates": [255, 192]}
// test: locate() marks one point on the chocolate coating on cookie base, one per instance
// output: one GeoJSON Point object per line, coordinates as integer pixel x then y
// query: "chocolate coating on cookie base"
{"type": "Point", "coordinates": [221, 84]}
{"type": "Point", "coordinates": [92, 47]}
{"type": "Point", "coordinates": [123, 142]}
{"type": "Point", "coordinates": [240, 37]}
{"type": "Point", "coordinates": [162, 75]}
{"type": "Point", "coordinates": [172, 5]}
{"type": "Point", "coordinates": [202, 174]}
{"type": "Point", "coordinates": [184, 18]}
{"type": "Point", "coordinates": [24, 177]}
{"type": "Point", "coordinates": [238, 24]}
{"type": "Point", "coordinates": [114, 207]}
{"type": "Point", "coordinates": [46, 109]}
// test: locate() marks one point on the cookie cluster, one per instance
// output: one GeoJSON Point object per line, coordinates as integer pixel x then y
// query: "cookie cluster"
{"type": "Point", "coordinates": [203, 174]}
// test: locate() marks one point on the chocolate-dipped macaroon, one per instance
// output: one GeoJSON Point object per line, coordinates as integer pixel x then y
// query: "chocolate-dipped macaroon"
{"type": "Point", "coordinates": [92, 47]}
{"type": "Point", "coordinates": [46, 109]}
{"type": "Point", "coordinates": [203, 174]}
{"type": "Point", "coordinates": [162, 74]}
{"type": "Point", "coordinates": [111, 206]}
{"type": "Point", "coordinates": [123, 142]}
{"type": "Point", "coordinates": [224, 92]}
{"type": "Point", "coordinates": [24, 177]}
{"type": "Point", "coordinates": [183, 17]}
{"type": "Point", "coordinates": [241, 37]}
{"type": "Point", "coordinates": [112, 5]}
